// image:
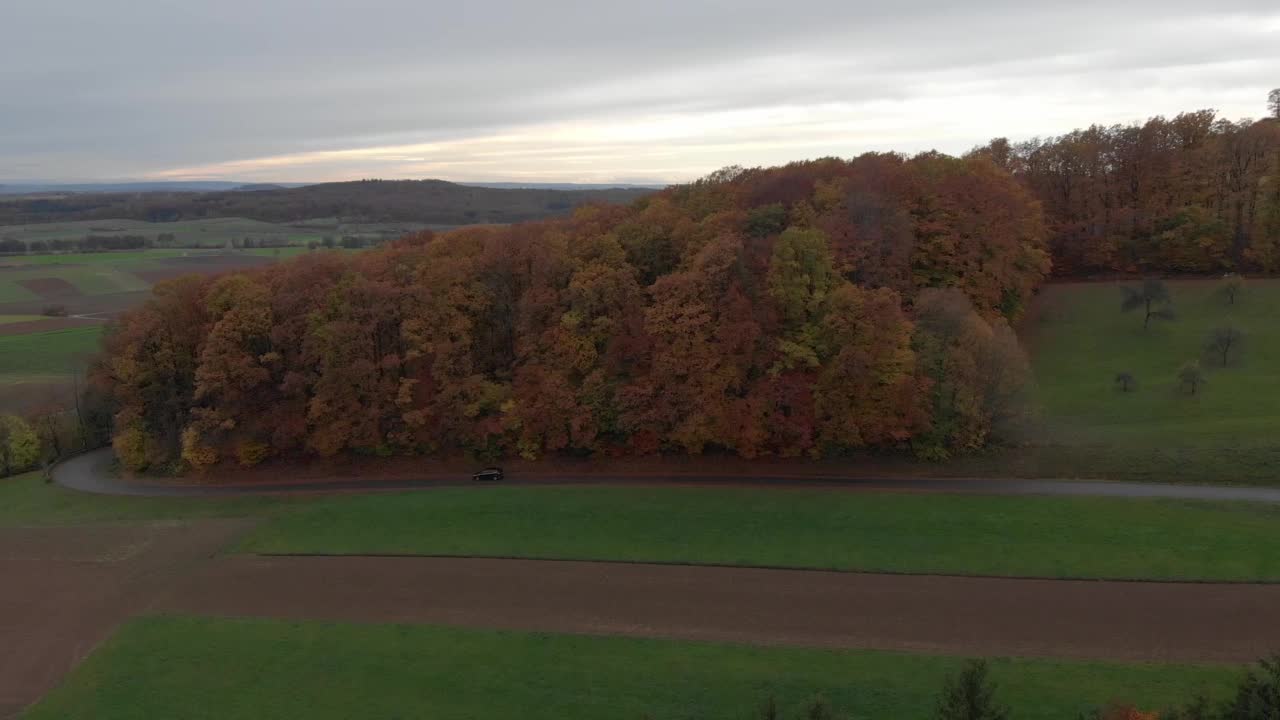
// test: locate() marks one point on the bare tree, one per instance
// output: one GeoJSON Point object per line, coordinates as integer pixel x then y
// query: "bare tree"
{"type": "Point", "coordinates": [1126, 381]}
{"type": "Point", "coordinates": [1152, 297]}
{"type": "Point", "coordinates": [1222, 341]}
{"type": "Point", "coordinates": [1232, 288]}
{"type": "Point", "coordinates": [1273, 103]}
{"type": "Point", "coordinates": [1191, 377]}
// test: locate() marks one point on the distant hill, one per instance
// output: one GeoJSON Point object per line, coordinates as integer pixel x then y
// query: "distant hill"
{"type": "Point", "coordinates": [24, 188]}
{"type": "Point", "coordinates": [567, 186]}
{"type": "Point", "coordinates": [259, 187]}
{"type": "Point", "coordinates": [420, 201]}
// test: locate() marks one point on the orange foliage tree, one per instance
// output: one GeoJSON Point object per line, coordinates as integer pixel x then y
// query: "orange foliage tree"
{"type": "Point", "coordinates": [782, 311]}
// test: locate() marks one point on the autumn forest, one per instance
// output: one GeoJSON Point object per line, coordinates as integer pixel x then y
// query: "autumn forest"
{"type": "Point", "coordinates": [819, 308]}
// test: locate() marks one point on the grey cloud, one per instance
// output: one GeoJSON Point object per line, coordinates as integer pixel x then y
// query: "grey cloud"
{"type": "Point", "coordinates": [96, 89]}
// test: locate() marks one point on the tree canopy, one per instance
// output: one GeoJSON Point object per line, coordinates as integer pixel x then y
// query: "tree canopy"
{"type": "Point", "coordinates": [821, 307]}
{"type": "Point", "coordinates": [1195, 193]}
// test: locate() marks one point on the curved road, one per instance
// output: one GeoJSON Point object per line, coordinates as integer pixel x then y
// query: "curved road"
{"type": "Point", "coordinates": [92, 473]}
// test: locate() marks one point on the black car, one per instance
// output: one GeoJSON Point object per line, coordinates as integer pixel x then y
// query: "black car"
{"type": "Point", "coordinates": [492, 473]}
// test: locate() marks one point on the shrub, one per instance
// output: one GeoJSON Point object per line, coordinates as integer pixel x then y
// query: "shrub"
{"type": "Point", "coordinates": [970, 695]}
{"type": "Point", "coordinates": [19, 445]}
{"type": "Point", "coordinates": [251, 452]}
{"type": "Point", "coordinates": [195, 453]}
{"type": "Point", "coordinates": [54, 311]}
{"type": "Point", "coordinates": [130, 445]}
{"type": "Point", "coordinates": [1258, 697]}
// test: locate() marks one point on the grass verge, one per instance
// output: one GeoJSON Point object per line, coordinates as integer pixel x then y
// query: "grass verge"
{"type": "Point", "coordinates": [169, 667]}
{"type": "Point", "coordinates": [47, 353]}
{"type": "Point", "coordinates": [949, 534]}
{"type": "Point", "coordinates": [26, 500]}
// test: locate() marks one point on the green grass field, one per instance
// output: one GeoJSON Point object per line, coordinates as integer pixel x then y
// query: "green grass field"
{"type": "Point", "coordinates": [949, 534]}
{"type": "Point", "coordinates": [90, 274]}
{"type": "Point", "coordinates": [1226, 433]}
{"type": "Point", "coordinates": [1082, 340]}
{"type": "Point", "coordinates": [46, 354]}
{"type": "Point", "coordinates": [27, 501]}
{"type": "Point", "coordinates": [1054, 537]}
{"type": "Point", "coordinates": [11, 319]}
{"type": "Point", "coordinates": [115, 257]}
{"type": "Point", "coordinates": [170, 667]}
{"type": "Point", "coordinates": [211, 232]}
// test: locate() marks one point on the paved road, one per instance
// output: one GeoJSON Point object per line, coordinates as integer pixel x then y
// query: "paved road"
{"type": "Point", "coordinates": [92, 473]}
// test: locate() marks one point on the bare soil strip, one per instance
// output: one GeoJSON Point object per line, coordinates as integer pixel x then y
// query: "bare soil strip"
{"type": "Point", "coordinates": [63, 590]}
{"type": "Point", "coordinates": [967, 616]}
{"type": "Point", "coordinates": [51, 288]}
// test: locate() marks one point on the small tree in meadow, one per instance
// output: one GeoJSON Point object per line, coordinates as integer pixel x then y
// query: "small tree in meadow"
{"type": "Point", "coordinates": [970, 695]}
{"type": "Point", "coordinates": [1224, 341]}
{"type": "Point", "coordinates": [1232, 288]}
{"type": "Point", "coordinates": [1191, 377]}
{"type": "Point", "coordinates": [1152, 297]}
{"type": "Point", "coordinates": [1126, 381]}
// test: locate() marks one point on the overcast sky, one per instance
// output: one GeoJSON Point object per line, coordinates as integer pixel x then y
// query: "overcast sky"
{"type": "Point", "coordinates": [553, 90]}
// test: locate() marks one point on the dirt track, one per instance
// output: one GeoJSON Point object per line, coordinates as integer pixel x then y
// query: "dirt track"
{"type": "Point", "coordinates": [65, 589]}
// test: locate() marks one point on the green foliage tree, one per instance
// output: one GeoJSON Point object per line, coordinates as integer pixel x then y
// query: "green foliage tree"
{"type": "Point", "coordinates": [1258, 695]}
{"type": "Point", "coordinates": [19, 445]}
{"type": "Point", "coordinates": [801, 275]}
{"type": "Point", "coordinates": [977, 375]}
{"type": "Point", "coordinates": [970, 695]}
{"type": "Point", "coordinates": [1223, 342]}
{"type": "Point", "coordinates": [1152, 297]}
{"type": "Point", "coordinates": [1191, 378]}
{"type": "Point", "coordinates": [766, 220]}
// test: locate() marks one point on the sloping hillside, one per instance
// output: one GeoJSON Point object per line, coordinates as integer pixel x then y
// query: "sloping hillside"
{"type": "Point", "coordinates": [424, 201]}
